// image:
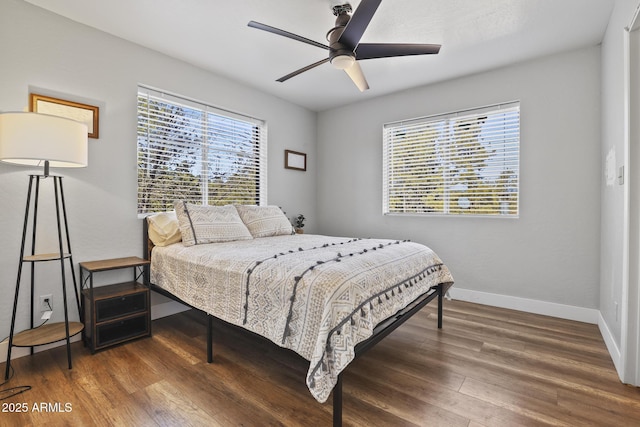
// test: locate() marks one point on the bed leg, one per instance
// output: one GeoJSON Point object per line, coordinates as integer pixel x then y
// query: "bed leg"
{"type": "Point", "coordinates": [440, 300]}
{"type": "Point", "coordinates": [337, 403]}
{"type": "Point", "coordinates": [209, 338]}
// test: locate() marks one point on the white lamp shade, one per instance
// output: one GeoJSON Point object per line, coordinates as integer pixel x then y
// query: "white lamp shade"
{"type": "Point", "coordinates": [32, 138]}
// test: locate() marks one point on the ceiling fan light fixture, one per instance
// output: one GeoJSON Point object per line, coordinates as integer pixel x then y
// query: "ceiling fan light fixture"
{"type": "Point", "coordinates": [344, 41]}
{"type": "Point", "coordinates": [342, 62]}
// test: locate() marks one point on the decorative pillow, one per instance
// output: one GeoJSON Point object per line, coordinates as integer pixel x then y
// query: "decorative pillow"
{"type": "Point", "coordinates": [265, 221]}
{"type": "Point", "coordinates": [201, 224]}
{"type": "Point", "coordinates": [164, 229]}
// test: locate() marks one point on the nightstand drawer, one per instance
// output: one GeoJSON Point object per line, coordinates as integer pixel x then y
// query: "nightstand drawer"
{"type": "Point", "coordinates": [121, 330]}
{"type": "Point", "coordinates": [119, 306]}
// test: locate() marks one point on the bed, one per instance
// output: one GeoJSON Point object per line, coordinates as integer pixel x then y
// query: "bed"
{"type": "Point", "coordinates": [328, 299]}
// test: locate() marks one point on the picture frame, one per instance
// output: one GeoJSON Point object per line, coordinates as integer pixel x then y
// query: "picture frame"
{"type": "Point", "coordinates": [295, 160]}
{"type": "Point", "coordinates": [84, 113]}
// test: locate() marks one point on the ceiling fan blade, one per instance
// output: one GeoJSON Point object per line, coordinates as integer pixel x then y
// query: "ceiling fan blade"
{"type": "Point", "coordinates": [302, 70]}
{"type": "Point", "coordinates": [358, 23]}
{"type": "Point", "coordinates": [287, 34]}
{"type": "Point", "coordinates": [357, 76]}
{"type": "Point", "coordinates": [386, 50]}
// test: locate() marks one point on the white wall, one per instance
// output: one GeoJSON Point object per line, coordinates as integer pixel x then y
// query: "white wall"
{"type": "Point", "coordinates": [613, 277]}
{"type": "Point", "coordinates": [42, 52]}
{"type": "Point", "coordinates": [551, 253]}
{"type": "Point", "coordinates": [613, 141]}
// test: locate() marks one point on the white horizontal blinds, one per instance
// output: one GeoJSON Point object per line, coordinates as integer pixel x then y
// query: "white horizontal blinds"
{"type": "Point", "coordinates": [198, 153]}
{"type": "Point", "coordinates": [232, 160]}
{"type": "Point", "coordinates": [459, 163]}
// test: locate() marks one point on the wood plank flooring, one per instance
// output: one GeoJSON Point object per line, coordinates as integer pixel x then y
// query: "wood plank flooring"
{"type": "Point", "coordinates": [486, 367]}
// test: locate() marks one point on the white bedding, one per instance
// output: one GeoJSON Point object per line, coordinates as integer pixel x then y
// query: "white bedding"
{"type": "Point", "coordinates": [316, 295]}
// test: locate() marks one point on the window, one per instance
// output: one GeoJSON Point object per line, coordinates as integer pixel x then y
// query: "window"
{"type": "Point", "coordinates": [195, 152]}
{"type": "Point", "coordinates": [464, 163]}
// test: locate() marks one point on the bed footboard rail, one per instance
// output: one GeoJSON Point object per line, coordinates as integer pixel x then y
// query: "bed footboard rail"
{"type": "Point", "coordinates": [384, 329]}
{"type": "Point", "coordinates": [389, 325]}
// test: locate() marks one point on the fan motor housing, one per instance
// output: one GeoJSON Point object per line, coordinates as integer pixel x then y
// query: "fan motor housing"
{"type": "Point", "coordinates": [336, 48]}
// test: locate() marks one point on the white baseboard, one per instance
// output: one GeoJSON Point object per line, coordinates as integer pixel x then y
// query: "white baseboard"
{"type": "Point", "coordinates": [25, 351]}
{"type": "Point", "coordinates": [587, 315]}
{"type": "Point", "coordinates": [612, 346]}
{"type": "Point", "coordinates": [562, 311]}
{"type": "Point", "coordinates": [157, 311]}
{"type": "Point", "coordinates": [4, 345]}
{"type": "Point", "coordinates": [167, 309]}
{"type": "Point", "coordinates": [15, 353]}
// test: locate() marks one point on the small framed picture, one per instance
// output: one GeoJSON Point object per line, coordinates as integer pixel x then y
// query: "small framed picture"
{"type": "Point", "coordinates": [295, 160]}
{"type": "Point", "coordinates": [87, 114]}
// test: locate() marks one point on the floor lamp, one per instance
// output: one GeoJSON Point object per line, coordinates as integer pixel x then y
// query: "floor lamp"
{"type": "Point", "coordinates": [34, 139]}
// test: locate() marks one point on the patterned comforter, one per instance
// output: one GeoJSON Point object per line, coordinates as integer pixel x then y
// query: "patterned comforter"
{"type": "Point", "coordinates": [316, 295]}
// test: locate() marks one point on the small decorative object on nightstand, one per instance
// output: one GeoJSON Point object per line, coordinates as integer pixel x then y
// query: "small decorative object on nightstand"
{"type": "Point", "coordinates": [115, 313]}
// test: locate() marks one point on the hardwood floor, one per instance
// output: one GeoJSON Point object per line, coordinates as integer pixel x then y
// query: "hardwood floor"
{"type": "Point", "coordinates": [486, 367]}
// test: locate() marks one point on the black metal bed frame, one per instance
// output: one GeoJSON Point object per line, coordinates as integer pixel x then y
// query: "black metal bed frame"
{"type": "Point", "coordinates": [383, 329]}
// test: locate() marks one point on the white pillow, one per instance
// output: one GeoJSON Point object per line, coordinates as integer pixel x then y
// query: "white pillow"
{"type": "Point", "coordinates": [164, 229]}
{"type": "Point", "coordinates": [265, 221]}
{"type": "Point", "coordinates": [201, 224]}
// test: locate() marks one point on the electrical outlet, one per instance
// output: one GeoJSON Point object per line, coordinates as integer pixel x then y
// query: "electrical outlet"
{"type": "Point", "coordinates": [46, 303]}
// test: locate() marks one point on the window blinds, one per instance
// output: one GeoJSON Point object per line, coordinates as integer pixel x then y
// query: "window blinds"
{"type": "Point", "coordinates": [195, 152]}
{"type": "Point", "coordinates": [460, 163]}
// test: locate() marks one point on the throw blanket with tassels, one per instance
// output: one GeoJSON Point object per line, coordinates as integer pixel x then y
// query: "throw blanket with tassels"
{"type": "Point", "coordinates": [316, 295]}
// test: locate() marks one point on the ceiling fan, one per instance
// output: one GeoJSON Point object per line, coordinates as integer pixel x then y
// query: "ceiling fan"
{"type": "Point", "coordinates": [345, 48]}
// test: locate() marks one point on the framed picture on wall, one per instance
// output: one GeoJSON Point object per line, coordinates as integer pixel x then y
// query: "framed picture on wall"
{"type": "Point", "coordinates": [84, 113]}
{"type": "Point", "coordinates": [295, 160]}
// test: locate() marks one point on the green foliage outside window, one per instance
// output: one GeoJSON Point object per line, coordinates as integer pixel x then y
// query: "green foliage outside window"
{"type": "Point", "coordinates": [466, 165]}
{"type": "Point", "coordinates": [187, 153]}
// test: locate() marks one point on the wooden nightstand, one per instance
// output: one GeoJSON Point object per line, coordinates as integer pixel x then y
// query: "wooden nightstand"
{"type": "Point", "coordinates": [113, 314]}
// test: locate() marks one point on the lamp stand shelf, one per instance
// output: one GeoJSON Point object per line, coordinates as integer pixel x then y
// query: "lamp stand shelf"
{"type": "Point", "coordinates": [46, 334]}
{"type": "Point", "coordinates": [53, 332]}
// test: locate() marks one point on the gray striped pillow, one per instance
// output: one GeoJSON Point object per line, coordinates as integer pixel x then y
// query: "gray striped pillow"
{"type": "Point", "coordinates": [265, 221]}
{"type": "Point", "coordinates": [200, 224]}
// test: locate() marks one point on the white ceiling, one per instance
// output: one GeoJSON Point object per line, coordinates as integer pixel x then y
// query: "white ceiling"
{"type": "Point", "coordinates": [476, 35]}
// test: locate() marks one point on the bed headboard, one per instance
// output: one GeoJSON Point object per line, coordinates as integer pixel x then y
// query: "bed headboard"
{"type": "Point", "coordinates": [147, 244]}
